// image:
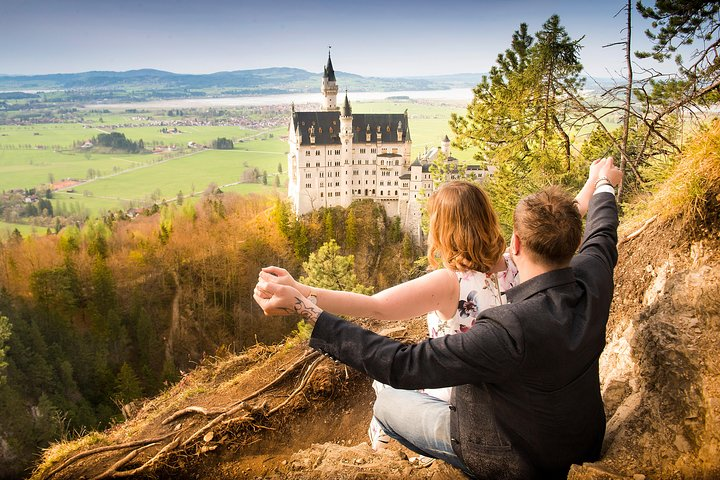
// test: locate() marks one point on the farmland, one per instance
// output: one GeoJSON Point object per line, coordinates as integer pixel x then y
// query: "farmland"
{"type": "Point", "coordinates": [90, 181]}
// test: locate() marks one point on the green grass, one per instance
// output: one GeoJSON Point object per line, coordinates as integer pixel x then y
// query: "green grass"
{"type": "Point", "coordinates": [60, 134]}
{"type": "Point", "coordinates": [6, 229]}
{"type": "Point", "coordinates": [191, 173]}
{"type": "Point", "coordinates": [30, 168]}
{"type": "Point", "coordinates": [202, 135]}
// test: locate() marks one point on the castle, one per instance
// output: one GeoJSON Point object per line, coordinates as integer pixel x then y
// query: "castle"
{"type": "Point", "coordinates": [336, 157]}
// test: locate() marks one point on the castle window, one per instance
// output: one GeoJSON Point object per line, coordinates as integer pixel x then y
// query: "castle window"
{"type": "Point", "coordinates": [317, 154]}
{"type": "Point", "coordinates": [319, 129]}
{"type": "Point", "coordinates": [308, 175]}
{"type": "Point", "coordinates": [337, 152]}
{"type": "Point", "coordinates": [321, 194]}
{"type": "Point", "coordinates": [322, 184]}
{"type": "Point", "coordinates": [388, 129]}
{"type": "Point", "coordinates": [322, 174]}
{"type": "Point", "coordinates": [362, 150]}
{"type": "Point", "coordinates": [373, 150]}
{"type": "Point", "coordinates": [308, 185]}
{"type": "Point", "coordinates": [396, 193]}
{"type": "Point", "coordinates": [330, 129]}
{"type": "Point", "coordinates": [307, 153]}
{"type": "Point", "coordinates": [317, 164]}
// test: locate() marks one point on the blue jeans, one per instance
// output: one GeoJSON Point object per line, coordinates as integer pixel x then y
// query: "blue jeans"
{"type": "Point", "coordinates": [419, 422]}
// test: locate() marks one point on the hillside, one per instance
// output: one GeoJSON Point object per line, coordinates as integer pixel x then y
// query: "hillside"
{"type": "Point", "coordinates": [287, 412]}
{"type": "Point", "coordinates": [150, 83]}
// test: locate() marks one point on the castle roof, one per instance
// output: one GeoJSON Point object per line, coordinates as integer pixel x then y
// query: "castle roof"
{"type": "Point", "coordinates": [329, 72]}
{"type": "Point", "coordinates": [327, 127]}
{"type": "Point", "coordinates": [346, 110]}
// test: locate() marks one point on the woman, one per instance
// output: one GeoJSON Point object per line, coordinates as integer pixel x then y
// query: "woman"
{"type": "Point", "coordinates": [465, 236]}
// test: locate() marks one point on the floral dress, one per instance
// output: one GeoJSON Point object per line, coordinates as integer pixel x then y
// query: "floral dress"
{"type": "Point", "coordinates": [478, 291]}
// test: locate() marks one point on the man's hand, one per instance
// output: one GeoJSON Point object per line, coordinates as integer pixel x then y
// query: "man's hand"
{"type": "Point", "coordinates": [607, 169]}
{"type": "Point", "coordinates": [277, 299]}
{"type": "Point", "coordinates": [594, 173]}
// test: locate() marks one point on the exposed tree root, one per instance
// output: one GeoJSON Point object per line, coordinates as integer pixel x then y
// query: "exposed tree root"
{"type": "Point", "coordinates": [221, 417]}
{"type": "Point", "coordinates": [107, 448]}
{"type": "Point", "coordinates": [303, 382]}
{"type": "Point", "coordinates": [123, 461]}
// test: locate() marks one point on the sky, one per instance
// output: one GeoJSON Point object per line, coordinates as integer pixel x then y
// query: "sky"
{"type": "Point", "coordinates": [385, 38]}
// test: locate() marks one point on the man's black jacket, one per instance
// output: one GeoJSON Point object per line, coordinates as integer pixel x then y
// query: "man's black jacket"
{"type": "Point", "coordinates": [527, 399]}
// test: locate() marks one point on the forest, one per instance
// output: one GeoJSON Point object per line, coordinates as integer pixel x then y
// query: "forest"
{"type": "Point", "coordinates": [116, 310]}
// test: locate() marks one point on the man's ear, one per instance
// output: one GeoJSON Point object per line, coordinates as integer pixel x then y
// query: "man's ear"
{"type": "Point", "coordinates": [515, 244]}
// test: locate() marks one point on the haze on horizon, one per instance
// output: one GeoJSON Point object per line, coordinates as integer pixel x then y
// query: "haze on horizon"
{"type": "Point", "coordinates": [386, 38]}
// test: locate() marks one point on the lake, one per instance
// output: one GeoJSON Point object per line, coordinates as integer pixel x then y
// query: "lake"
{"type": "Point", "coordinates": [454, 94]}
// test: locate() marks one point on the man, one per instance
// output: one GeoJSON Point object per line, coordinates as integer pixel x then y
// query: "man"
{"type": "Point", "coordinates": [526, 402]}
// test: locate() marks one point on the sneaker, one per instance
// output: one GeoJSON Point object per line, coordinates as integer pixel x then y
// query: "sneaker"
{"type": "Point", "coordinates": [421, 461]}
{"type": "Point", "coordinates": [378, 438]}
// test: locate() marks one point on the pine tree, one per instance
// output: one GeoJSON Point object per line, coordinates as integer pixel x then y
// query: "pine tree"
{"type": "Point", "coordinates": [520, 114]}
{"type": "Point", "coordinates": [127, 385]}
{"type": "Point", "coordinates": [5, 332]}
{"type": "Point", "coordinates": [326, 268]}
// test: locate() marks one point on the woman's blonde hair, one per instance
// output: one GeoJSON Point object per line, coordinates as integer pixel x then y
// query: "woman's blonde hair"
{"type": "Point", "coordinates": [464, 228]}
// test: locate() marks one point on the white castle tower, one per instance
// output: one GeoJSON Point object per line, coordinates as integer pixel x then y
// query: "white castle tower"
{"type": "Point", "coordinates": [329, 87]}
{"type": "Point", "coordinates": [337, 156]}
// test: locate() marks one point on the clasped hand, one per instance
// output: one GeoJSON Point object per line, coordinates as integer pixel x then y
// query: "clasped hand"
{"type": "Point", "coordinates": [277, 294]}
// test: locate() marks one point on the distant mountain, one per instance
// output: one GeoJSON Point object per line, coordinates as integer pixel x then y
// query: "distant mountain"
{"type": "Point", "coordinates": [235, 82]}
{"type": "Point", "coordinates": [149, 84]}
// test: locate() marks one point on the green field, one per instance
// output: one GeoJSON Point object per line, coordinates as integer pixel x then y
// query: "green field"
{"type": "Point", "coordinates": [6, 229]}
{"type": "Point", "coordinates": [31, 155]}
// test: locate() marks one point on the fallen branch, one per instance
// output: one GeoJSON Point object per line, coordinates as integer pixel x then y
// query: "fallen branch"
{"type": "Point", "coordinates": [639, 230]}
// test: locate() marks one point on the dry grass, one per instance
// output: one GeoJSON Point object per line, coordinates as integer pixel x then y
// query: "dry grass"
{"type": "Point", "coordinates": [691, 193]}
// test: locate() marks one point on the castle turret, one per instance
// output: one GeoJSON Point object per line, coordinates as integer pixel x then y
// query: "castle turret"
{"type": "Point", "coordinates": [329, 87]}
{"type": "Point", "coordinates": [446, 146]}
{"type": "Point", "coordinates": [346, 138]}
{"type": "Point", "coordinates": [346, 131]}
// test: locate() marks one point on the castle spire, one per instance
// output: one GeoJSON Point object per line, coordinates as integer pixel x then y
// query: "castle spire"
{"type": "Point", "coordinates": [346, 111]}
{"type": "Point", "coordinates": [329, 71]}
{"type": "Point", "coordinates": [329, 87]}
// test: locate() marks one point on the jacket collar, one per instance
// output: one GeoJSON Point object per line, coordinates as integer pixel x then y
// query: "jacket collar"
{"type": "Point", "coordinates": [553, 278]}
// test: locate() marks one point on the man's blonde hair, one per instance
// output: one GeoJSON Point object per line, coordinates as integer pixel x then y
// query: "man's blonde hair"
{"type": "Point", "coordinates": [464, 228]}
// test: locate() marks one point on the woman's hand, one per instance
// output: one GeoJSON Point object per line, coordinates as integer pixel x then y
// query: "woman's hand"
{"type": "Point", "coordinates": [280, 276]}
